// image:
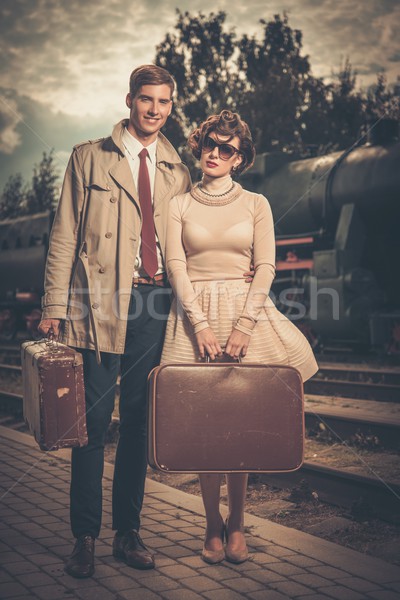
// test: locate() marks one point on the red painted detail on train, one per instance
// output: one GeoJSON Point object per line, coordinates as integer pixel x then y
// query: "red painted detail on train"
{"type": "Point", "coordinates": [295, 241]}
{"type": "Point", "coordinates": [283, 265]}
{"type": "Point", "coordinates": [27, 297]}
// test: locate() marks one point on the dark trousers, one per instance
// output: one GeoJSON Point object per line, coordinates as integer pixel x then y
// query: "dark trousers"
{"type": "Point", "coordinates": [148, 311]}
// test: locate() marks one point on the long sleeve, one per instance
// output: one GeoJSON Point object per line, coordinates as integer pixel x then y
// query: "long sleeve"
{"type": "Point", "coordinates": [63, 243]}
{"type": "Point", "coordinates": [177, 269]}
{"type": "Point", "coordinates": [264, 266]}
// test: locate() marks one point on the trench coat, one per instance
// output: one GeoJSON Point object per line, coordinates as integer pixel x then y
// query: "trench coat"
{"type": "Point", "coordinates": [95, 237]}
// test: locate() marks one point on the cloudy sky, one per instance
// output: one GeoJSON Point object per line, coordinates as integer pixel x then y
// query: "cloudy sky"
{"type": "Point", "coordinates": [65, 63]}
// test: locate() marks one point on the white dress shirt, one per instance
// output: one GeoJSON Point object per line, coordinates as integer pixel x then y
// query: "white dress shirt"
{"type": "Point", "coordinates": [133, 148]}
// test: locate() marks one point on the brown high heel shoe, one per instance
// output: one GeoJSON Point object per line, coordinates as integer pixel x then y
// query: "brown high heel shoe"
{"type": "Point", "coordinates": [213, 557]}
{"type": "Point", "coordinates": [235, 556]}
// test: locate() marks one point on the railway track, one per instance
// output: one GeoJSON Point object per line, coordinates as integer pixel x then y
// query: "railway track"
{"type": "Point", "coordinates": [10, 355]}
{"type": "Point", "coordinates": [364, 496]}
{"type": "Point", "coordinates": [378, 383]}
{"type": "Point", "coordinates": [11, 347]}
{"type": "Point", "coordinates": [10, 368]}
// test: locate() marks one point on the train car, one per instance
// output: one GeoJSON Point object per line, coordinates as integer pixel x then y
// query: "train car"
{"type": "Point", "coordinates": [338, 245]}
{"type": "Point", "coordinates": [23, 249]}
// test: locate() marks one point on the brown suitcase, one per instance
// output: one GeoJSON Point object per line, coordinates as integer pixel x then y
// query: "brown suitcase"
{"type": "Point", "coordinates": [224, 417]}
{"type": "Point", "coordinates": [54, 395]}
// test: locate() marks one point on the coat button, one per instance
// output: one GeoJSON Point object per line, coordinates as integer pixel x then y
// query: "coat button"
{"type": "Point", "coordinates": [95, 305]}
{"type": "Point", "coordinates": [102, 270]}
{"type": "Point", "coordinates": [108, 234]}
{"type": "Point", "coordinates": [108, 186]}
{"type": "Point", "coordinates": [113, 199]}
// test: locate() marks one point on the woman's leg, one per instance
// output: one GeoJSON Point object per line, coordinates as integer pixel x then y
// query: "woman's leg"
{"type": "Point", "coordinates": [237, 486]}
{"type": "Point", "coordinates": [210, 485]}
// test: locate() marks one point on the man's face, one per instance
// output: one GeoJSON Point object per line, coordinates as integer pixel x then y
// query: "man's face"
{"type": "Point", "coordinates": [149, 110]}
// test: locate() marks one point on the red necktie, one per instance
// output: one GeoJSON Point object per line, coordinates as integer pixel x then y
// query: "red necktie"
{"type": "Point", "coordinates": [148, 249]}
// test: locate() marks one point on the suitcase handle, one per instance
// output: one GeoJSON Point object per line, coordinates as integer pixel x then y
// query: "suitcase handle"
{"type": "Point", "coordinates": [225, 358]}
{"type": "Point", "coordinates": [50, 342]}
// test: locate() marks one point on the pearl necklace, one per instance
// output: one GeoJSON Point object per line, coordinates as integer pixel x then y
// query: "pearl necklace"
{"type": "Point", "coordinates": [201, 187]}
{"type": "Point", "coordinates": [199, 194]}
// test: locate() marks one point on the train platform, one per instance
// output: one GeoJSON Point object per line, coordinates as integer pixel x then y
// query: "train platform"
{"type": "Point", "coordinates": [284, 563]}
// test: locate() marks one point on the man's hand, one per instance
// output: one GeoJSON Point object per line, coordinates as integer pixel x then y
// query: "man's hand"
{"type": "Point", "coordinates": [207, 342]}
{"type": "Point", "coordinates": [249, 275]}
{"type": "Point", "coordinates": [50, 325]}
{"type": "Point", "coordinates": [237, 344]}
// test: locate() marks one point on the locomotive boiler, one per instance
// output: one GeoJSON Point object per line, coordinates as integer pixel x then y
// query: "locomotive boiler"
{"type": "Point", "coordinates": [337, 220]}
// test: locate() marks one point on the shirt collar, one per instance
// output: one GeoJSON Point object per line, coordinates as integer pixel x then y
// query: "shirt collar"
{"type": "Point", "coordinates": [135, 147]}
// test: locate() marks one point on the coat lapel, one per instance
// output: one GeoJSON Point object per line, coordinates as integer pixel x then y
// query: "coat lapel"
{"type": "Point", "coordinates": [164, 179]}
{"type": "Point", "coordinates": [122, 175]}
{"type": "Point", "coordinates": [163, 183]}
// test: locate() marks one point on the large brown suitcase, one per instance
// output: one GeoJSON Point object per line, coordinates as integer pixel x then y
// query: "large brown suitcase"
{"type": "Point", "coordinates": [54, 395]}
{"type": "Point", "coordinates": [221, 418]}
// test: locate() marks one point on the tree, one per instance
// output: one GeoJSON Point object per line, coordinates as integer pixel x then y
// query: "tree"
{"type": "Point", "coordinates": [347, 108]}
{"type": "Point", "coordinates": [199, 56]}
{"type": "Point", "coordinates": [383, 101]}
{"type": "Point", "coordinates": [13, 197]}
{"type": "Point", "coordinates": [43, 194]}
{"type": "Point", "coordinates": [333, 118]}
{"type": "Point", "coordinates": [18, 199]}
{"type": "Point", "coordinates": [277, 78]}
{"type": "Point", "coordinates": [268, 80]}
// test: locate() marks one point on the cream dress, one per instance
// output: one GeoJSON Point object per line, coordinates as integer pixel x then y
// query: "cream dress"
{"type": "Point", "coordinates": [211, 241]}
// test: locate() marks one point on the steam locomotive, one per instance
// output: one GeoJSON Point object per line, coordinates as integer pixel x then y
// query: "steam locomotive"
{"type": "Point", "coordinates": [337, 220]}
{"type": "Point", "coordinates": [337, 226]}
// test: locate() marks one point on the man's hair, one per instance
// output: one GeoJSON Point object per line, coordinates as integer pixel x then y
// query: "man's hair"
{"type": "Point", "coordinates": [149, 75]}
{"type": "Point", "coordinates": [229, 124]}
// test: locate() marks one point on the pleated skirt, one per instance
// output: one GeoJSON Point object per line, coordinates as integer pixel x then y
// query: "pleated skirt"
{"type": "Point", "coordinates": [275, 339]}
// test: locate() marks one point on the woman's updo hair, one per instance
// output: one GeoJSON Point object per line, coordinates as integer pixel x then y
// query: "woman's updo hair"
{"type": "Point", "coordinates": [230, 124]}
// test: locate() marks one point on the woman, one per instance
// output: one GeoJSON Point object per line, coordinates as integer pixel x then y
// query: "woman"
{"type": "Point", "coordinates": [214, 233]}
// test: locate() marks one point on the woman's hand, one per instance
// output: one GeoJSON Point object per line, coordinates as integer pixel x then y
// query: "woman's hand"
{"type": "Point", "coordinates": [207, 342]}
{"type": "Point", "coordinates": [237, 344]}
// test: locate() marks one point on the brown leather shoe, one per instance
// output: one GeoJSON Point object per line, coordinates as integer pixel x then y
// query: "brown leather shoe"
{"type": "Point", "coordinates": [81, 562]}
{"type": "Point", "coordinates": [130, 548]}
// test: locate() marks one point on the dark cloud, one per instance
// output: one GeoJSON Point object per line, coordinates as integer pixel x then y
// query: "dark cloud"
{"type": "Point", "coordinates": [9, 118]}
{"type": "Point", "coordinates": [39, 38]}
{"type": "Point", "coordinates": [38, 129]}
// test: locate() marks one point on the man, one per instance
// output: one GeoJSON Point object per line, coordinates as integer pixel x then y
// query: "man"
{"type": "Point", "coordinates": [106, 294]}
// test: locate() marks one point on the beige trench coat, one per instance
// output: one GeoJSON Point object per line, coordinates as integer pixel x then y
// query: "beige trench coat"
{"type": "Point", "coordinates": [95, 236]}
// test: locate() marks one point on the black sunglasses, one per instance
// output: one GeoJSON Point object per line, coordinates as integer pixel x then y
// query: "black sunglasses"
{"type": "Point", "coordinates": [225, 151]}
